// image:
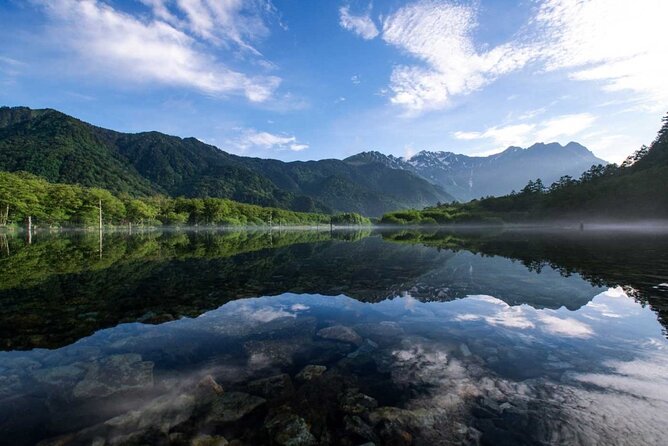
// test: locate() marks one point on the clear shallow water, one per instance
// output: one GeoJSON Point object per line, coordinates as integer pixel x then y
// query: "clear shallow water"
{"type": "Point", "coordinates": [420, 338]}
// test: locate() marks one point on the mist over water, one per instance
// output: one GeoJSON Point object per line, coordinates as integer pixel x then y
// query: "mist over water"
{"type": "Point", "coordinates": [345, 337]}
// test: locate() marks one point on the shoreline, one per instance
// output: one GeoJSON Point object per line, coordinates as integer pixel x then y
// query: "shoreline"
{"type": "Point", "coordinates": [634, 226]}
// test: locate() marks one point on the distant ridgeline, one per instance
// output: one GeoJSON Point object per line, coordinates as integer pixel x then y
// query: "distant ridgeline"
{"type": "Point", "coordinates": [63, 149]}
{"type": "Point", "coordinates": [469, 177]}
{"type": "Point", "coordinates": [636, 190]}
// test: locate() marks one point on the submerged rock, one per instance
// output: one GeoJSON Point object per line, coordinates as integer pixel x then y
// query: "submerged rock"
{"type": "Point", "coordinates": [367, 347]}
{"type": "Point", "coordinates": [273, 387]}
{"type": "Point", "coordinates": [233, 406]}
{"type": "Point", "coordinates": [290, 430]}
{"type": "Point", "coordinates": [262, 354]}
{"type": "Point", "coordinates": [208, 385]}
{"type": "Point", "coordinates": [354, 402]}
{"type": "Point", "coordinates": [310, 372]}
{"type": "Point", "coordinates": [359, 427]}
{"type": "Point", "coordinates": [208, 440]}
{"type": "Point", "coordinates": [384, 333]}
{"type": "Point", "coordinates": [341, 333]}
{"type": "Point", "coordinates": [161, 414]}
{"type": "Point", "coordinates": [114, 374]}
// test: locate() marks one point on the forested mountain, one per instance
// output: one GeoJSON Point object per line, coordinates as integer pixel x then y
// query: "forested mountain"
{"type": "Point", "coordinates": [636, 190]}
{"type": "Point", "coordinates": [469, 177]}
{"type": "Point", "coordinates": [63, 149]}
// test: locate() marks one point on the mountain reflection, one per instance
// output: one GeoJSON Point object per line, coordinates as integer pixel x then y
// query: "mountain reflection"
{"type": "Point", "coordinates": [61, 288]}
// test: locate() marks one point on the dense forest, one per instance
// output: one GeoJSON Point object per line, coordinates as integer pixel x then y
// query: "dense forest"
{"type": "Point", "coordinates": [63, 149]}
{"type": "Point", "coordinates": [635, 190]}
{"type": "Point", "coordinates": [24, 195]}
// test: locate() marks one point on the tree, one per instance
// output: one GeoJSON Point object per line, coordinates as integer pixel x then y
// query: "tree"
{"type": "Point", "coordinates": [113, 209]}
{"type": "Point", "coordinates": [534, 187]}
{"type": "Point", "coordinates": [139, 212]}
{"type": "Point", "coordinates": [562, 183]}
{"type": "Point", "coordinates": [214, 210]}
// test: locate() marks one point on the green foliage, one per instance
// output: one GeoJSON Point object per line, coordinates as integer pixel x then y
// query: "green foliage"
{"type": "Point", "coordinates": [23, 195]}
{"type": "Point", "coordinates": [350, 218]}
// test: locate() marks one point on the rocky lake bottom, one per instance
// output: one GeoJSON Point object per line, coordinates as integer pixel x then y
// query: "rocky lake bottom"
{"type": "Point", "coordinates": [323, 339]}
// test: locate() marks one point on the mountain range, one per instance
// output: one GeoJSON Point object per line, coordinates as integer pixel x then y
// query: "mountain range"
{"type": "Point", "coordinates": [63, 149]}
{"type": "Point", "coordinates": [468, 177]}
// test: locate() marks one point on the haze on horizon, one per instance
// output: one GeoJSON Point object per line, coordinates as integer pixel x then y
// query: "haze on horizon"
{"type": "Point", "coordinates": [300, 80]}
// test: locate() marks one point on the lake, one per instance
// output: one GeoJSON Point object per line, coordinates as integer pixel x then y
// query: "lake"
{"type": "Point", "coordinates": [350, 337]}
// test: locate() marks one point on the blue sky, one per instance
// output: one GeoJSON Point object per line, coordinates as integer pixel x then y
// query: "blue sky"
{"type": "Point", "coordinates": [314, 79]}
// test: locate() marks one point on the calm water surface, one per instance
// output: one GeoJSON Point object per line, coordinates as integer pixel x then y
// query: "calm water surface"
{"type": "Point", "coordinates": [319, 338]}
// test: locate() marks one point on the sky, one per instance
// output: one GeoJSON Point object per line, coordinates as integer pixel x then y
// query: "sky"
{"type": "Point", "coordinates": [313, 79]}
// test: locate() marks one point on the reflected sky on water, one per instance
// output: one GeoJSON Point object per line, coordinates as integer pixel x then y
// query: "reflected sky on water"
{"type": "Point", "coordinates": [419, 338]}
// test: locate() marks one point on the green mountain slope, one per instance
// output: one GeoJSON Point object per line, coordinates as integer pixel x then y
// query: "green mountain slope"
{"type": "Point", "coordinates": [63, 149]}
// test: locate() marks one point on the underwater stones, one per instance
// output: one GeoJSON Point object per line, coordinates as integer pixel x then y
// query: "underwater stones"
{"type": "Point", "coordinates": [273, 387]}
{"type": "Point", "coordinates": [354, 402]}
{"type": "Point", "coordinates": [357, 426]}
{"type": "Point", "coordinates": [209, 385]}
{"type": "Point", "coordinates": [268, 353]}
{"type": "Point", "coordinates": [233, 406]}
{"type": "Point", "coordinates": [365, 348]}
{"type": "Point", "coordinates": [114, 374]}
{"type": "Point", "coordinates": [341, 333]}
{"type": "Point", "coordinates": [290, 430]}
{"type": "Point", "coordinates": [207, 390]}
{"type": "Point", "coordinates": [384, 333]}
{"type": "Point", "coordinates": [310, 372]}
{"type": "Point", "coordinates": [486, 408]}
{"type": "Point", "coordinates": [208, 440]}
{"type": "Point", "coordinates": [160, 414]}
{"type": "Point", "coordinates": [397, 426]}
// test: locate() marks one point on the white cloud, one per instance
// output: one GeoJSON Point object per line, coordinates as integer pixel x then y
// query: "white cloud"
{"type": "Point", "coordinates": [619, 43]}
{"type": "Point", "coordinates": [216, 21]}
{"type": "Point", "coordinates": [250, 138]}
{"type": "Point", "coordinates": [439, 34]}
{"type": "Point", "coordinates": [362, 25]}
{"type": "Point", "coordinates": [160, 49]}
{"type": "Point", "coordinates": [564, 326]}
{"type": "Point", "coordinates": [502, 136]}
{"type": "Point", "coordinates": [565, 125]}
{"type": "Point", "coordinates": [550, 130]}
{"type": "Point", "coordinates": [356, 80]}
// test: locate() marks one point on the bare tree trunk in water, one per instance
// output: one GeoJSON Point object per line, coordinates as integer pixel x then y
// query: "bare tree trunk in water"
{"type": "Point", "coordinates": [5, 243]}
{"type": "Point", "coordinates": [100, 208]}
{"type": "Point", "coordinates": [5, 217]}
{"type": "Point", "coordinates": [29, 229]}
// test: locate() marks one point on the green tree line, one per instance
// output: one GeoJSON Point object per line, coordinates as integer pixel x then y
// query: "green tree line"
{"type": "Point", "coordinates": [24, 195]}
